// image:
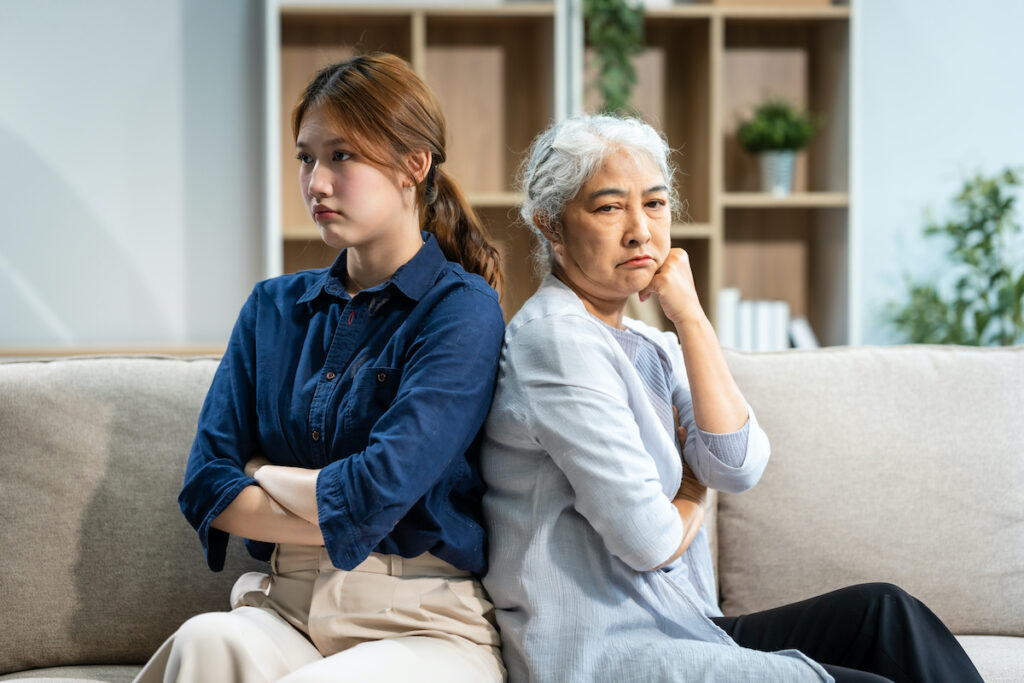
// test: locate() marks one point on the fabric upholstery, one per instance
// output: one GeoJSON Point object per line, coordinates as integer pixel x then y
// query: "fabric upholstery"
{"type": "Point", "coordinates": [77, 674]}
{"type": "Point", "coordinates": [999, 659]}
{"type": "Point", "coordinates": [899, 464]}
{"type": "Point", "coordinates": [99, 566]}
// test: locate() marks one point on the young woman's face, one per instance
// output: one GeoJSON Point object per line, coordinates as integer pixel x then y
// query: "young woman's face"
{"type": "Point", "coordinates": [354, 201]}
{"type": "Point", "coordinates": [615, 232]}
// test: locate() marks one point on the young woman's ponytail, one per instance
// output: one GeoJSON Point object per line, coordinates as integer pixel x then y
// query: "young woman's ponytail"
{"type": "Point", "coordinates": [458, 230]}
{"type": "Point", "coordinates": [390, 112]}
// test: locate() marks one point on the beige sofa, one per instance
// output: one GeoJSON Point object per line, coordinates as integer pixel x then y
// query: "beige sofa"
{"type": "Point", "coordinates": [901, 464]}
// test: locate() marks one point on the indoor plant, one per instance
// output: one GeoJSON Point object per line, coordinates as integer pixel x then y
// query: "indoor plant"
{"type": "Point", "coordinates": [979, 299]}
{"type": "Point", "coordinates": [615, 32]}
{"type": "Point", "coordinates": [775, 133]}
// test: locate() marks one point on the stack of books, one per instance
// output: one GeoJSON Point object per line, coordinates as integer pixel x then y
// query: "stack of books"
{"type": "Point", "coordinates": [760, 325]}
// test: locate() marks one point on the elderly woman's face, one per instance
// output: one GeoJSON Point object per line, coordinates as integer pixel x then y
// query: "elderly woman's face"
{"type": "Point", "coordinates": [615, 232]}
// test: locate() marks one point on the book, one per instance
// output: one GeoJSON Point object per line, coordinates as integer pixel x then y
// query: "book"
{"type": "Point", "coordinates": [802, 335]}
{"type": "Point", "coordinates": [727, 310]}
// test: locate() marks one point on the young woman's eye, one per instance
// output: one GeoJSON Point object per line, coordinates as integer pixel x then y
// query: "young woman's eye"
{"type": "Point", "coordinates": [340, 156]}
{"type": "Point", "coordinates": [304, 158]}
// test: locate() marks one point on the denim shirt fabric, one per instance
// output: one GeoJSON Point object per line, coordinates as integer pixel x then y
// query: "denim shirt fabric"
{"type": "Point", "coordinates": [385, 391]}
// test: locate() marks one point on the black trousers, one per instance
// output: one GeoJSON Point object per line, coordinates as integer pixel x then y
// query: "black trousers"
{"type": "Point", "coordinates": [871, 632]}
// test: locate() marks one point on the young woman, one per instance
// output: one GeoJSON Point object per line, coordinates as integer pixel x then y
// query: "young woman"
{"type": "Point", "coordinates": [339, 434]}
{"type": "Point", "coordinates": [599, 563]}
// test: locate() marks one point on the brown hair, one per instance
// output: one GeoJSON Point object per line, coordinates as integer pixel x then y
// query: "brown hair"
{"type": "Point", "coordinates": [385, 108]}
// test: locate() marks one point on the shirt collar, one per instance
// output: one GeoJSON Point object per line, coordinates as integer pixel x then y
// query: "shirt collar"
{"type": "Point", "coordinates": [414, 278]}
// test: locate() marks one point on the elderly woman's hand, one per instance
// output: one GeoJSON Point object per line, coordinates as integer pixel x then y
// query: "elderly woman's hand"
{"type": "Point", "coordinates": [673, 283]}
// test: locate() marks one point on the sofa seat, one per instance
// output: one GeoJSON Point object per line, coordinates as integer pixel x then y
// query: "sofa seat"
{"type": "Point", "coordinates": [112, 673]}
{"type": "Point", "coordinates": [999, 659]}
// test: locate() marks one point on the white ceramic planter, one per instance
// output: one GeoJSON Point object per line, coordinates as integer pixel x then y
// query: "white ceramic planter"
{"type": "Point", "coordinates": [777, 172]}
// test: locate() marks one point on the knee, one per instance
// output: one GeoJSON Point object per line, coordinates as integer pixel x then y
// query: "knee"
{"type": "Point", "coordinates": [207, 631]}
{"type": "Point", "coordinates": [887, 599]}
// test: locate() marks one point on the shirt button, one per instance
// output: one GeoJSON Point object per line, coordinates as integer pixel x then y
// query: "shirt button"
{"type": "Point", "coordinates": [351, 317]}
{"type": "Point", "coordinates": [381, 376]}
{"type": "Point", "coordinates": [331, 375]}
{"type": "Point", "coordinates": [316, 435]}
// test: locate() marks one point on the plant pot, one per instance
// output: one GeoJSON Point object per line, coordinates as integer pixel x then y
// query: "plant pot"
{"type": "Point", "coordinates": [777, 172]}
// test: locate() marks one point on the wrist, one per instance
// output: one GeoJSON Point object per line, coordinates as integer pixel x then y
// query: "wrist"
{"type": "Point", "coordinates": [693, 322]}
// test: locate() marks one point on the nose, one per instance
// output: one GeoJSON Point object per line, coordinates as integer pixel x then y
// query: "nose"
{"type": "Point", "coordinates": [319, 182]}
{"type": "Point", "coordinates": [637, 231]}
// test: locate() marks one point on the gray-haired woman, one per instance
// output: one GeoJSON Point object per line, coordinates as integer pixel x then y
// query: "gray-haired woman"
{"type": "Point", "coordinates": [599, 564]}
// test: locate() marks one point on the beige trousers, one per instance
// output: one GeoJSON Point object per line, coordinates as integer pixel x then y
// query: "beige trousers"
{"type": "Point", "coordinates": [389, 619]}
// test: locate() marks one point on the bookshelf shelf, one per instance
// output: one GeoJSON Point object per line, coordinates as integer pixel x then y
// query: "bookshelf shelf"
{"type": "Point", "coordinates": [806, 200]}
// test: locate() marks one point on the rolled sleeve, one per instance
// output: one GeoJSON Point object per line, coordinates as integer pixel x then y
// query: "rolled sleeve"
{"type": "Point", "coordinates": [725, 474]}
{"type": "Point", "coordinates": [574, 400]}
{"type": "Point", "coordinates": [442, 399]}
{"type": "Point", "coordinates": [224, 440]}
{"type": "Point", "coordinates": [730, 448]}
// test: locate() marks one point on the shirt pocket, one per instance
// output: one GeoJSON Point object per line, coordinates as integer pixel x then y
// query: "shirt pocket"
{"type": "Point", "coordinates": [373, 391]}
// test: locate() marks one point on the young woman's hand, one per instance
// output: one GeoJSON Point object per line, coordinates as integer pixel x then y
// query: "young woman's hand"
{"type": "Point", "coordinates": [673, 283]}
{"type": "Point", "coordinates": [254, 464]}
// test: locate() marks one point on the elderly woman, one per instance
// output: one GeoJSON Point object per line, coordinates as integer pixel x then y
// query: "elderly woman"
{"type": "Point", "coordinates": [599, 564]}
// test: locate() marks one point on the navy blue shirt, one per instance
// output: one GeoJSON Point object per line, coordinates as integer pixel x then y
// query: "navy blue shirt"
{"type": "Point", "coordinates": [386, 391]}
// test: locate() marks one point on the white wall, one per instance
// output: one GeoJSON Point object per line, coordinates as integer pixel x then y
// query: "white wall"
{"type": "Point", "coordinates": [131, 178]}
{"type": "Point", "coordinates": [130, 170]}
{"type": "Point", "coordinates": [938, 95]}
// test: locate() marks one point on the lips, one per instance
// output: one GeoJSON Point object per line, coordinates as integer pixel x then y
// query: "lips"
{"type": "Point", "coordinates": [323, 211]}
{"type": "Point", "coordinates": [641, 260]}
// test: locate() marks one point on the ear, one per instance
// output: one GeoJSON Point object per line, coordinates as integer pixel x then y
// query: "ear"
{"type": "Point", "coordinates": [549, 228]}
{"type": "Point", "coordinates": [418, 163]}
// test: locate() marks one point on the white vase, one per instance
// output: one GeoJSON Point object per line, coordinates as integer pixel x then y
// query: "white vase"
{"type": "Point", "coordinates": [777, 172]}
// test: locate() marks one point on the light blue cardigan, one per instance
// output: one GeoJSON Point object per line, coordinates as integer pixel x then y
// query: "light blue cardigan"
{"type": "Point", "coordinates": [580, 474]}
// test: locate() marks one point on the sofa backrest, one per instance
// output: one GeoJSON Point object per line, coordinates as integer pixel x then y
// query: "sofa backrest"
{"type": "Point", "coordinates": [900, 464]}
{"type": "Point", "coordinates": [99, 566]}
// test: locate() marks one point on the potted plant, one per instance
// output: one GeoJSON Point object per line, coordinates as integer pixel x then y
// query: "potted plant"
{"type": "Point", "coordinates": [776, 133]}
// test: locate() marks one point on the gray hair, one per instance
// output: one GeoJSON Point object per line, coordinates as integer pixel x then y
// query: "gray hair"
{"type": "Point", "coordinates": [564, 157]}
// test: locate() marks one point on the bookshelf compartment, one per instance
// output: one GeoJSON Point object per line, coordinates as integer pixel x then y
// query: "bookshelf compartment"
{"type": "Point", "coordinates": [793, 255]}
{"type": "Point", "coordinates": [494, 80]}
{"type": "Point", "coordinates": [804, 62]}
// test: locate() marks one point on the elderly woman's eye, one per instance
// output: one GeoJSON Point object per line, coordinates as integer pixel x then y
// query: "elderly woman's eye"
{"type": "Point", "coordinates": [656, 203]}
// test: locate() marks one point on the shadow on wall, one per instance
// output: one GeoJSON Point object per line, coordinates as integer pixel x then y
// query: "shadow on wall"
{"type": "Point", "coordinates": [62, 275]}
{"type": "Point", "coordinates": [139, 569]}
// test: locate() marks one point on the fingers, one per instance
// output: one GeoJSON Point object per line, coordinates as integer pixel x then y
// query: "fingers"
{"type": "Point", "coordinates": [680, 429]}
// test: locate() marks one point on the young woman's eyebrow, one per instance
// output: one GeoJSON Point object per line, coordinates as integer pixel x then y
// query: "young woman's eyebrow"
{"type": "Point", "coordinates": [301, 144]}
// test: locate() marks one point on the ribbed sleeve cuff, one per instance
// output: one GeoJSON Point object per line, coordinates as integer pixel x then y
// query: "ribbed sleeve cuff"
{"type": "Point", "coordinates": [730, 448]}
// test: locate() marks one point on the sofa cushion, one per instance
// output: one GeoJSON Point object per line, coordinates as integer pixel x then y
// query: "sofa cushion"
{"type": "Point", "coordinates": [999, 659]}
{"type": "Point", "coordinates": [899, 464]}
{"type": "Point", "coordinates": [77, 674]}
{"type": "Point", "coordinates": [99, 566]}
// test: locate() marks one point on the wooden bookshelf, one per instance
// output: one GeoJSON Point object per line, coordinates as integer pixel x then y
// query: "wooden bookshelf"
{"type": "Point", "coordinates": [704, 65]}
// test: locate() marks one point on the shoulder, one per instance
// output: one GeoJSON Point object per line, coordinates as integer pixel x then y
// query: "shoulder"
{"type": "Point", "coordinates": [466, 295]}
{"type": "Point", "coordinates": [288, 288]}
{"type": "Point", "coordinates": [554, 339]}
